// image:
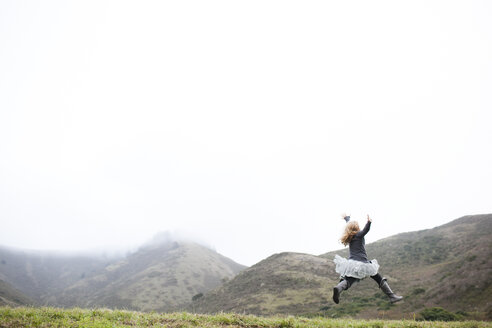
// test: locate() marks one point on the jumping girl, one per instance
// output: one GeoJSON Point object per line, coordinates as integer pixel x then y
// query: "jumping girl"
{"type": "Point", "coordinates": [357, 266]}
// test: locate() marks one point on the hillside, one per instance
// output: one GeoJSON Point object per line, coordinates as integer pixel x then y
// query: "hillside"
{"type": "Point", "coordinates": [9, 296]}
{"type": "Point", "coordinates": [448, 266]}
{"type": "Point", "coordinates": [40, 275]}
{"type": "Point", "coordinates": [162, 275]}
{"type": "Point", "coordinates": [161, 278]}
{"type": "Point", "coordinates": [283, 283]}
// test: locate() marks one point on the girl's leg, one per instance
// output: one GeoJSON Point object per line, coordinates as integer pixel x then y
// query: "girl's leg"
{"type": "Point", "coordinates": [377, 277]}
{"type": "Point", "coordinates": [350, 281]}
{"type": "Point", "coordinates": [383, 284]}
{"type": "Point", "coordinates": [344, 284]}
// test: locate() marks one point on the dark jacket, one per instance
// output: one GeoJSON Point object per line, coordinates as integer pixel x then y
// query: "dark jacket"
{"type": "Point", "coordinates": [357, 245]}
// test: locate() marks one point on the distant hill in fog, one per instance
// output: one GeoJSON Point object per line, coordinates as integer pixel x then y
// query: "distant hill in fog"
{"type": "Point", "coordinates": [12, 297]}
{"type": "Point", "coordinates": [41, 275]}
{"type": "Point", "coordinates": [163, 275]}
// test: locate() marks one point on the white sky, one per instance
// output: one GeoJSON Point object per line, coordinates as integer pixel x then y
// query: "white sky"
{"type": "Point", "coordinates": [248, 124]}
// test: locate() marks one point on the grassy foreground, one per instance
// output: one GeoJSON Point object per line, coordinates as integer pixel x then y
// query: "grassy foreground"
{"type": "Point", "coordinates": [99, 318]}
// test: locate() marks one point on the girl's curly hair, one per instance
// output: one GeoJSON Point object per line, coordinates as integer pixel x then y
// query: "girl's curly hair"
{"type": "Point", "coordinates": [351, 229]}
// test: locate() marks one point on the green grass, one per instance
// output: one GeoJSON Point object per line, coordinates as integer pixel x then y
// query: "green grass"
{"type": "Point", "coordinates": [101, 318]}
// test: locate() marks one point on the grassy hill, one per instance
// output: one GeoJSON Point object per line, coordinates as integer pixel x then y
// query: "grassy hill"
{"type": "Point", "coordinates": [162, 275]}
{"type": "Point", "coordinates": [448, 266]}
{"type": "Point", "coordinates": [287, 283]}
{"type": "Point", "coordinates": [160, 278]}
{"type": "Point", "coordinates": [50, 317]}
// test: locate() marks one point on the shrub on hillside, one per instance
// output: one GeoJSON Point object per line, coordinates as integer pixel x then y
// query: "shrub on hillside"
{"type": "Point", "coordinates": [439, 314]}
{"type": "Point", "coordinates": [197, 297]}
{"type": "Point", "coordinates": [418, 290]}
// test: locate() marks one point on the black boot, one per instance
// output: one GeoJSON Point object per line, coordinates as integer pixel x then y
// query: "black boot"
{"type": "Point", "coordinates": [337, 290]}
{"type": "Point", "coordinates": [387, 290]}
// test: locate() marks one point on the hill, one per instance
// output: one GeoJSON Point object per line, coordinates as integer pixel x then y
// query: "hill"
{"type": "Point", "coordinates": [162, 276]}
{"type": "Point", "coordinates": [448, 266]}
{"type": "Point", "coordinates": [11, 296]}
{"type": "Point", "coordinates": [287, 283]}
{"type": "Point", "coordinates": [40, 275]}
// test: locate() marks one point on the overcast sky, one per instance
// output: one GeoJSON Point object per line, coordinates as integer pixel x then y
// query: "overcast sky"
{"type": "Point", "coordinates": [250, 125]}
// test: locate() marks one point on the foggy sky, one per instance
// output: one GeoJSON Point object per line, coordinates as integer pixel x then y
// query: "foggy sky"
{"type": "Point", "coordinates": [249, 126]}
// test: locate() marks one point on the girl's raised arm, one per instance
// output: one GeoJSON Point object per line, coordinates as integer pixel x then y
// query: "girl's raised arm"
{"type": "Point", "coordinates": [364, 231]}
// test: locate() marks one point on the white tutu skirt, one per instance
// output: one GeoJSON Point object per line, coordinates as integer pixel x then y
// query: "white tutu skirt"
{"type": "Point", "coordinates": [356, 269]}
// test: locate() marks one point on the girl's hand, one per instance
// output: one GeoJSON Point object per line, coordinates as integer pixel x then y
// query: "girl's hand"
{"type": "Point", "coordinates": [368, 218]}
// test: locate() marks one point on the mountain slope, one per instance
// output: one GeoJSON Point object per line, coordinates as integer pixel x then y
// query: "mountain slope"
{"type": "Point", "coordinates": [11, 296]}
{"type": "Point", "coordinates": [448, 266]}
{"type": "Point", "coordinates": [282, 283]}
{"type": "Point", "coordinates": [40, 275]}
{"type": "Point", "coordinates": [160, 278]}
{"type": "Point", "coordinates": [162, 275]}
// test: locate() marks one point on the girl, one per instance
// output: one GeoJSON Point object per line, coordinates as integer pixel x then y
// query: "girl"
{"type": "Point", "coordinates": [357, 266]}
